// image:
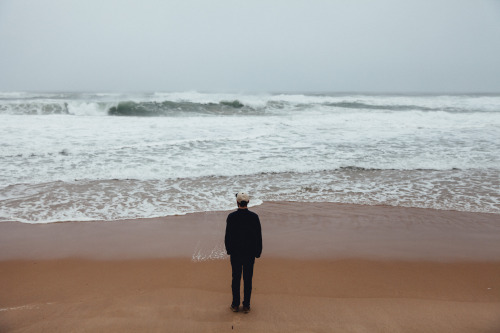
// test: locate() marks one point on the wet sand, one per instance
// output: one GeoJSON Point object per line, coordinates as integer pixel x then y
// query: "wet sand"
{"type": "Point", "coordinates": [325, 268]}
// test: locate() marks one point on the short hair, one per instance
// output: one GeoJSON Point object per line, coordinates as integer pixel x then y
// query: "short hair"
{"type": "Point", "coordinates": [242, 203]}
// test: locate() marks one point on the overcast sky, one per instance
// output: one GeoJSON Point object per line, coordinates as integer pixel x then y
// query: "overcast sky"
{"type": "Point", "coordinates": [250, 46]}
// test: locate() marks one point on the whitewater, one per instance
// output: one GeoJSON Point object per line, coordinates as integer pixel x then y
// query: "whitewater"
{"type": "Point", "coordinates": [110, 156]}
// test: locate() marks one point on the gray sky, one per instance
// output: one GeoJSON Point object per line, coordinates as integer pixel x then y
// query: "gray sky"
{"type": "Point", "coordinates": [257, 46]}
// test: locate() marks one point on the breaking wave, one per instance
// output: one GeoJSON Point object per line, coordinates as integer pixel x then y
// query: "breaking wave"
{"type": "Point", "coordinates": [192, 103]}
{"type": "Point", "coordinates": [169, 108]}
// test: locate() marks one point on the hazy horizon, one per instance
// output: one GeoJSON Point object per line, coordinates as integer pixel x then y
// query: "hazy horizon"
{"type": "Point", "coordinates": [255, 92]}
{"type": "Point", "coordinates": [373, 47]}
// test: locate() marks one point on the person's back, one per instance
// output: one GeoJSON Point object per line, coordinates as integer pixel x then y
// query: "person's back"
{"type": "Point", "coordinates": [243, 233]}
{"type": "Point", "coordinates": [243, 242]}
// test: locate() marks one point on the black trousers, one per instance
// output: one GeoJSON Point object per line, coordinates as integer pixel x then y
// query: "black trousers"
{"type": "Point", "coordinates": [239, 264]}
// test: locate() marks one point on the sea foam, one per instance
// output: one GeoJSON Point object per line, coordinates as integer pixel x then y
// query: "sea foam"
{"type": "Point", "coordinates": [65, 156]}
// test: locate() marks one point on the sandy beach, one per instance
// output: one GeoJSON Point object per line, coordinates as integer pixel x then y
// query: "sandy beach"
{"type": "Point", "coordinates": [325, 268]}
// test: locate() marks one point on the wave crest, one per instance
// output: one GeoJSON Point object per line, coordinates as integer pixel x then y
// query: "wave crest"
{"type": "Point", "coordinates": [170, 108]}
{"type": "Point", "coordinates": [174, 104]}
{"type": "Point", "coordinates": [34, 108]}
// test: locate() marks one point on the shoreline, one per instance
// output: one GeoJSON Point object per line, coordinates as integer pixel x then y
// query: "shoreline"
{"type": "Point", "coordinates": [290, 230]}
{"type": "Point", "coordinates": [325, 267]}
{"type": "Point", "coordinates": [251, 207]}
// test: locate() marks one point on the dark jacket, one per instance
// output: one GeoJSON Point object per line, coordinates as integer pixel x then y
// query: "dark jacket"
{"type": "Point", "coordinates": [243, 233]}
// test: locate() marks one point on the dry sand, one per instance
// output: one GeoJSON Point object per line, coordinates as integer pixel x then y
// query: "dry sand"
{"type": "Point", "coordinates": [324, 268]}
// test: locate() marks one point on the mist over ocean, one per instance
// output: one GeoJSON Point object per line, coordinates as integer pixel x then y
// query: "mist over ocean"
{"type": "Point", "coordinates": [108, 156]}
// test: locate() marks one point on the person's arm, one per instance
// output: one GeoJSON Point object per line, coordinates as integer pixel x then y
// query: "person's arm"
{"type": "Point", "coordinates": [227, 237]}
{"type": "Point", "coordinates": [258, 241]}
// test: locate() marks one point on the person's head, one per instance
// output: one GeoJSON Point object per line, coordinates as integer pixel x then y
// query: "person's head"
{"type": "Point", "coordinates": [242, 199]}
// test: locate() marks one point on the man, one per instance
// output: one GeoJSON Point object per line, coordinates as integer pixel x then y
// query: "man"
{"type": "Point", "coordinates": [243, 242]}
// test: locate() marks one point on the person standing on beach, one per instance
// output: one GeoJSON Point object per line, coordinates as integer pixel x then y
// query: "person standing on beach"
{"type": "Point", "coordinates": [243, 242]}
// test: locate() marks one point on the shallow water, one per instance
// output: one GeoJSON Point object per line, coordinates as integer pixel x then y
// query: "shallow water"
{"type": "Point", "coordinates": [113, 156]}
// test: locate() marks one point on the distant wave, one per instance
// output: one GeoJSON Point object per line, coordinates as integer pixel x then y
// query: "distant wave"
{"type": "Point", "coordinates": [42, 108]}
{"type": "Point", "coordinates": [361, 105]}
{"type": "Point", "coordinates": [34, 108]}
{"type": "Point", "coordinates": [192, 103]}
{"type": "Point", "coordinates": [169, 108]}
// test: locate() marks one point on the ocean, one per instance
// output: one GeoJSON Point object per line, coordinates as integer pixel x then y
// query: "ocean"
{"type": "Point", "coordinates": [112, 156]}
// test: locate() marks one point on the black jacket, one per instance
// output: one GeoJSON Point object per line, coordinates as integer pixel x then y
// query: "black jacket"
{"type": "Point", "coordinates": [243, 233]}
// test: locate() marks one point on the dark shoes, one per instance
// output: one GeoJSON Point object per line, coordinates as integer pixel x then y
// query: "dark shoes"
{"type": "Point", "coordinates": [234, 308]}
